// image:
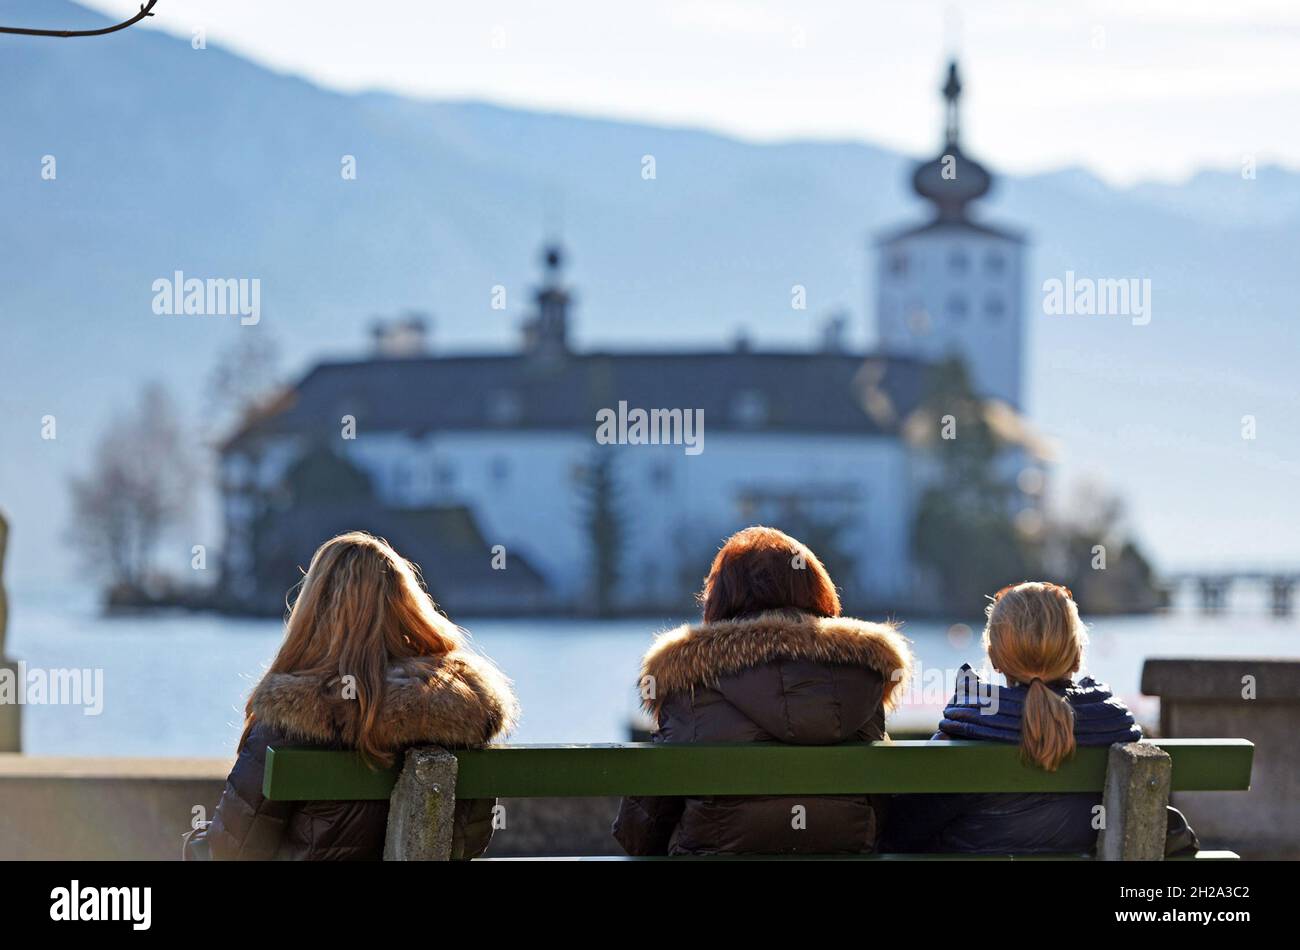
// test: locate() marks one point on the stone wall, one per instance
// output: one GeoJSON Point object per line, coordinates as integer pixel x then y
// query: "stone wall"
{"type": "Point", "coordinates": [1255, 699]}
{"type": "Point", "coordinates": [139, 808]}
{"type": "Point", "coordinates": [102, 809]}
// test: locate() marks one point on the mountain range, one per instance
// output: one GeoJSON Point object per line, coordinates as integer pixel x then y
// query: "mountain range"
{"type": "Point", "coordinates": [170, 158]}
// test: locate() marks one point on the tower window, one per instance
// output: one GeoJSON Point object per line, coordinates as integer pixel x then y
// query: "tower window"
{"type": "Point", "coordinates": [957, 307]}
{"type": "Point", "coordinates": [958, 261]}
{"type": "Point", "coordinates": [994, 307]}
{"type": "Point", "coordinates": [898, 265]}
{"type": "Point", "coordinates": [918, 319]}
{"type": "Point", "coordinates": [994, 262]}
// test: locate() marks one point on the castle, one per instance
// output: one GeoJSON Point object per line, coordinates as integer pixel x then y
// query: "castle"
{"type": "Point", "coordinates": [487, 470]}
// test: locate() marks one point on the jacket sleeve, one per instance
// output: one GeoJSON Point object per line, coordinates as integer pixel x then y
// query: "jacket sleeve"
{"type": "Point", "coordinates": [471, 828]}
{"type": "Point", "coordinates": [644, 825]}
{"type": "Point", "coordinates": [1180, 837]}
{"type": "Point", "coordinates": [247, 826]}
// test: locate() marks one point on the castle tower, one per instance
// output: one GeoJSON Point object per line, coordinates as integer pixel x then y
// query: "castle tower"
{"type": "Point", "coordinates": [546, 333]}
{"type": "Point", "coordinates": [952, 286]}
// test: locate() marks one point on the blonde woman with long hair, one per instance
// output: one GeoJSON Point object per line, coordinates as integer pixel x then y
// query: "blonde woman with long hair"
{"type": "Point", "coordinates": [1035, 638]}
{"type": "Point", "coordinates": [367, 663]}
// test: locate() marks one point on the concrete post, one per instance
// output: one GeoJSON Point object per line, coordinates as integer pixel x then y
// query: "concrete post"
{"type": "Point", "coordinates": [1137, 791]}
{"type": "Point", "coordinates": [422, 807]}
{"type": "Point", "coordinates": [11, 714]}
{"type": "Point", "coordinates": [11, 722]}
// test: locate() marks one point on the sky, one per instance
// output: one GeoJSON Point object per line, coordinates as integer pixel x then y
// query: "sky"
{"type": "Point", "coordinates": [1133, 92]}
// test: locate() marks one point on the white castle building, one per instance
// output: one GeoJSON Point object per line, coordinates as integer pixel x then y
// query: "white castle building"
{"type": "Point", "coordinates": [486, 469]}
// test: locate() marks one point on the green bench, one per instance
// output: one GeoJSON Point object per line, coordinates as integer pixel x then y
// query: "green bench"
{"type": "Point", "coordinates": [1135, 779]}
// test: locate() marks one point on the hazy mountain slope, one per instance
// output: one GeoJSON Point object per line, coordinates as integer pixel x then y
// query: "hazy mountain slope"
{"type": "Point", "coordinates": [172, 158]}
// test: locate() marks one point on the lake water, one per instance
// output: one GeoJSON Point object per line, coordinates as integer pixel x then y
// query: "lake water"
{"type": "Point", "coordinates": [174, 684]}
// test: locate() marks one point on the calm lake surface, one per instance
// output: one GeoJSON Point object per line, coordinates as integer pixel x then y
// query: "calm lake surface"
{"type": "Point", "coordinates": [174, 684]}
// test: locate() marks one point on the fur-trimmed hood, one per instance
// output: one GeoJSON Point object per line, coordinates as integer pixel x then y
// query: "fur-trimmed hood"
{"type": "Point", "coordinates": [699, 655]}
{"type": "Point", "coordinates": [458, 699]}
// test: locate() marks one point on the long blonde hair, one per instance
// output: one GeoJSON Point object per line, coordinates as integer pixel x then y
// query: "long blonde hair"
{"type": "Point", "coordinates": [360, 606]}
{"type": "Point", "coordinates": [1035, 637]}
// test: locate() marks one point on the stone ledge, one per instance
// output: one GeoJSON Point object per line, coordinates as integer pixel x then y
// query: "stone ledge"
{"type": "Point", "coordinates": [1276, 679]}
{"type": "Point", "coordinates": [134, 768]}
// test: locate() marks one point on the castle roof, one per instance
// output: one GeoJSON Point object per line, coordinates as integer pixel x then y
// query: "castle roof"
{"type": "Point", "coordinates": [752, 391]}
{"type": "Point", "coordinates": [940, 226]}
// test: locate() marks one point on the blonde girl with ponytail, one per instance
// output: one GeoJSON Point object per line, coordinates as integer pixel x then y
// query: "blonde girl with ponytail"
{"type": "Point", "coordinates": [1034, 638]}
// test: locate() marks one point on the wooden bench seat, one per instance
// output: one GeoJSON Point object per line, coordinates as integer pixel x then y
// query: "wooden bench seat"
{"type": "Point", "coordinates": [1134, 777]}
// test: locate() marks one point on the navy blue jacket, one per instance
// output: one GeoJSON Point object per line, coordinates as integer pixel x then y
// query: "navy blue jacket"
{"type": "Point", "coordinates": [1003, 823]}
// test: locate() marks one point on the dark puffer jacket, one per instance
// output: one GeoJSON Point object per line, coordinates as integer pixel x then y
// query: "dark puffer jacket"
{"type": "Point", "coordinates": [776, 677]}
{"type": "Point", "coordinates": [456, 700]}
{"type": "Point", "coordinates": [1005, 823]}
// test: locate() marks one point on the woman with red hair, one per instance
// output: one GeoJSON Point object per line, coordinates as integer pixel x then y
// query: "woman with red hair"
{"type": "Point", "coordinates": [771, 661]}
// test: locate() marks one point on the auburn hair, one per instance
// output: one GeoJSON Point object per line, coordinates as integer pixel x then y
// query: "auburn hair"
{"type": "Point", "coordinates": [360, 606]}
{"type": "Point", "coordinates": [1035, 638]}
{"type": "Point", "coordinates": [761, 569]}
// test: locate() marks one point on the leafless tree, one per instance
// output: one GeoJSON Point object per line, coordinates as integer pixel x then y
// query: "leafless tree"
{"type": "Point", "coordinates": [141, 485]}
{"type": "Point", "coordinates": [245, 376]}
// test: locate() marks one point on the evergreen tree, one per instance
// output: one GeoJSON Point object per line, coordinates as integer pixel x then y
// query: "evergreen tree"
{"type": "Point", "coordinates": [605, 525]}
{"type": "Point", "coordinates": [965, 528]}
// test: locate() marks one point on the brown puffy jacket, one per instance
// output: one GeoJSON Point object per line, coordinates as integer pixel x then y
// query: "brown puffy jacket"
{"type": "Point", "coordinates": [780, 676]}
{"type": "Point", "coordinates": [456, 700]}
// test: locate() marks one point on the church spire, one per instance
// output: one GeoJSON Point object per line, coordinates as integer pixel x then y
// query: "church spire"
{"type": "Point", "coordinates": [951, 180]}
{"type": "Point", "coordinates": [952, 93]}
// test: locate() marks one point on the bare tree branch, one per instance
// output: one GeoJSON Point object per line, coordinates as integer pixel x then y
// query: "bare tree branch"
{"type": "Point", "coordinates": [144, 12]}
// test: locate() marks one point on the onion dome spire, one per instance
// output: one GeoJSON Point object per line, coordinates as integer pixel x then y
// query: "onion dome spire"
{"type": "Point", "coordinates": [951, 180]}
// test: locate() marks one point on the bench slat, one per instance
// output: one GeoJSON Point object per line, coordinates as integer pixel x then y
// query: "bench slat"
{"type": "Point", "coordinates": [561, 771]}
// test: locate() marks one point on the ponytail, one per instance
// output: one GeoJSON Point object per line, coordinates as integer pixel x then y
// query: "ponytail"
{"type": "Point", "coordinates": [1047, 729]}
{"type": "Point", "coordinates": [1035, 637]}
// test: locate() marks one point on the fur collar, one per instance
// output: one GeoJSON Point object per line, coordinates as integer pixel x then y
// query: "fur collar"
{"type": "Point", "coordinates": [700, 655]}
{"type": "Point", "coordinates": [458, 699]}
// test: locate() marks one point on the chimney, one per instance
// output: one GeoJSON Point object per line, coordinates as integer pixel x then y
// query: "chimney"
{"type": "Point", "coordinates": [833, 331]}
{"type": "Point", "coordinates": [404, 338]}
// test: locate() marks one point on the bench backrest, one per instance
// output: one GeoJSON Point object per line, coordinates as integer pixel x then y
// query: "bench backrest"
{"type": "Point", "coordinates": [561, 771]}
